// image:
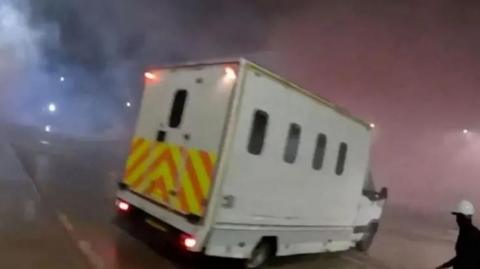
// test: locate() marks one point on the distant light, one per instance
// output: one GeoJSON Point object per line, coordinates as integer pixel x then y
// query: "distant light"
{"type": "Point", "coordinates": [372, 125]}
{"type": "Point", "coordinates": [128, 104]}
{"type": "Point", "coordinates": [48, 128]}
{"type": "Point", "coordinates": [150, 75]}
{"type": "Point", "coordinates": [44, 142]}
{"type": "Point", "coordinates": [52, 107]}
{"type": "Point", "coordinates": [189, 242]}
{"type": "Point", "coordinates": [230, 73]}
{"type": "Point", "coordinates": [466, 131]}
{"type": "Point", "coordinates": [62, 79]}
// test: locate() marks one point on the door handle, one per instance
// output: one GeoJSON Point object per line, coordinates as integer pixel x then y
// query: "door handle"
{"type": "Point", "coordinates": [161, 136]}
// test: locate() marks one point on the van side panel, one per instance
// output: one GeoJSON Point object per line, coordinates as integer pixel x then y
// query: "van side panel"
{"type": "Point", "coordinates": [264, 189]}
{"type": "Point", "coordinates": [177, 140]}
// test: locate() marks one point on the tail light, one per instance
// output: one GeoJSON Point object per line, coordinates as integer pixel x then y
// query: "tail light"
{"type": "Point", "coordinates": [122, 205]}
{"type": "Point", "coordinates": [188, 241]}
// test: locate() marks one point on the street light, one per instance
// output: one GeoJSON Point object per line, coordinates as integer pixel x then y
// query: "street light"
{"type": "Point", "coordinates": [466, 131]}
{"type": "Point", "coordinates": [372, 125]}
{"type": "Point", "coordinates": [52, 107]}
{"type": "Point", "coordinates": [62, 79]}
{"type": "Point", "coordinates": [48, 128]}
{"type": "Point", "coordinates": [128, 104]}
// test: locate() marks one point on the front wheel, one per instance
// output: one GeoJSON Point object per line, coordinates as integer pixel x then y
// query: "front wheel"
{"type": "Point", "coordinates": [260, 255]}
{"type": "Point", "coordinates": [366, 242]}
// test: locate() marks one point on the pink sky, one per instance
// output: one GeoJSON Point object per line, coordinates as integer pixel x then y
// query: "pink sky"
{"type": "Point", "coordinates": [413, 70]}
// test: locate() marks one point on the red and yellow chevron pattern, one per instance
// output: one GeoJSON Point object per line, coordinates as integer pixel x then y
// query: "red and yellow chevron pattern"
{"type": "Point", "coordinates": [170, 174]}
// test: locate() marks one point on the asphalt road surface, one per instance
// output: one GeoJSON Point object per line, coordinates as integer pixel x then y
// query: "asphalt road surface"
{"type": "Point", "coordinates": [57, 203]}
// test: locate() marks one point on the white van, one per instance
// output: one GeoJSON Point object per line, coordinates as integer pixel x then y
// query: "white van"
{"type": "Point", "coordinates": [235, 161]}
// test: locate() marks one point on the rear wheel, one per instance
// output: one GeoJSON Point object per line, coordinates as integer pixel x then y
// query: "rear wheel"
{"type": "Point", "coordinates": [260, 255]}
{"type": "Point", "coordinates": [366, 242]}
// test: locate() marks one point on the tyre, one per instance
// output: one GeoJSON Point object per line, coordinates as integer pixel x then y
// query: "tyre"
{"type": "Point", "coordinates": [260, 255]}
{"type": "Point", "coordinates": [366, 242]}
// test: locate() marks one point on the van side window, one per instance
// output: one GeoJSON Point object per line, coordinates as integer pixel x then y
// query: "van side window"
{"type": "Point", "coordinates": [178, 107]}
{"type": "Point", "coordinates": [258, 132]}
{"type": "Point", "coordinates": [342, 157]}
{"type": "Point", "coordinates": [293, 141]}
{"type": "Point", "coordinates": [319, 153]}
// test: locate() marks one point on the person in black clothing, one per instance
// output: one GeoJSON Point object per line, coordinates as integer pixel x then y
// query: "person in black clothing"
{"type": "Point", "coordinates": [468, 242]}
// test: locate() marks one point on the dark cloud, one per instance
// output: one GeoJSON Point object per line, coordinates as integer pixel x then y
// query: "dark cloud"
{"type": "Point", "coordinates": [101, 33]}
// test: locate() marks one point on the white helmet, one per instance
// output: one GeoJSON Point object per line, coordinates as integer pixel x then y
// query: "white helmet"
{"type": "Point", "coordinates": [465, 208]}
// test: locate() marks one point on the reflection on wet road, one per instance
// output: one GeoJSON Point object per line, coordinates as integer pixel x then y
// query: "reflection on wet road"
{"type": "Point", "coordinates": [58, 208]}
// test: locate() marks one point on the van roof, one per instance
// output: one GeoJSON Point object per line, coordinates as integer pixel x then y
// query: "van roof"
{"type": "Point", "coordinates": [273, 75]}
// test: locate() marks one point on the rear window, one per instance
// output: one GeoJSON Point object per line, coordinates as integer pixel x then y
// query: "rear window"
{"type": "Point", "coordinates": [178, 108]}
{"type": "Point", "coordinates": [293, 141]}
{"type": "Point", "coordinates": [258, 132]}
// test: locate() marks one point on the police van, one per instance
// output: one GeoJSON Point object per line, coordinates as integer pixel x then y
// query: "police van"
{"type": "Point", "coordinates": [234, 161]}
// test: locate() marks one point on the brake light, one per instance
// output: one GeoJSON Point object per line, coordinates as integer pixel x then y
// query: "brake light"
{"type": "Point", "coordinates": [189, 242]}
{"type": "Point", "coordinates": [123, 206]}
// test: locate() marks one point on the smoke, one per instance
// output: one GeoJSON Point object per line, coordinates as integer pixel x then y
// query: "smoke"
{"type": "Point", "coordinates": [87, 56]}
{"type": "Point", "coordinates": [408, 66]}
{"type": "Point", "coordinates": [24, 79]}
{"type": "Point", "coordinates": [411, 67]}
{"type": "Point", "coordinates": [17, 40]}
{"type": "Point", "coordinates": [19, 51]}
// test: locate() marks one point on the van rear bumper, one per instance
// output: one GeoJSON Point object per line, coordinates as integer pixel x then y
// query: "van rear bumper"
{"type": "Point", "coordinates": [160, 216]}
{"type": "Point", "coordinates": [148, 227]}
{"type": "Point", "coordinates": [158, 211]}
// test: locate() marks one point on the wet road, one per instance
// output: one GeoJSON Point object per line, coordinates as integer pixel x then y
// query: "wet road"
{"type": "Point", "coordinates": [58, 202]}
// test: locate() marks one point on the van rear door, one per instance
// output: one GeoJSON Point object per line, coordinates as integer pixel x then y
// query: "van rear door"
{"type": "Point", "coordinates": [178, 136]}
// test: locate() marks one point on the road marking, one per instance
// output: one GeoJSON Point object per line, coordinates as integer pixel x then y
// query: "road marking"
{"type": "Point", "coordinates": [65, 222]}
{"type": "Point", "coordinates": [87, 250]}
{"type": "Point", "coordinates": [30, 211]}
{"type": "Point", "coordinates": [85, 247]}
{"type": "Point", "coordinates": [364, 260]}
{"type": "Point", "coordinates": [351, 259]}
